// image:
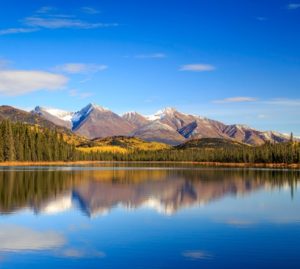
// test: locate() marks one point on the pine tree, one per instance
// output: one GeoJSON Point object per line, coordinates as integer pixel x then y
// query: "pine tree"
{"type": "Point", "coordinates": [292, 137]}
{"type": "Point", "coordinates": [1, 145]}
{"type": "Point", "coordinates": [8, 142]}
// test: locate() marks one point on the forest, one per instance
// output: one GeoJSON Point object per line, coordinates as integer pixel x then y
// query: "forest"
{"type": "Point", "coordinates": [23, 142]}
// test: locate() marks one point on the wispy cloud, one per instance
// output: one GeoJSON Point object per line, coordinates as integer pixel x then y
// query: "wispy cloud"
{"type": "Point", "coordinates": [247, 99]}
{"type": "Point", "coordinates": [283, 102]}
{"type": "Point", "coordinates": [293, 6]}
{"type": "Point", "coordinates": [262, 116]}
{"type": "Point", "coordinates": [58, 22]}
{"type": "Point", "coordinates": [79, 94]}
{"type": "Point", "coordinates": [238, 99]}
{"type": "Point", "coordinates": [48, 18]}
{"type": "Point", "coordinates": [18, 82]}
{"type": "Point", "coordinates": [157, 55]}
{"type": "Point", "coordinates": [197, 67]}
{"type": "Point", "coordinates": [90, 10]}
{"type": "Point", "coordinates": [10, 31]}
{"type": "Point", "coordinates": [80, 68]}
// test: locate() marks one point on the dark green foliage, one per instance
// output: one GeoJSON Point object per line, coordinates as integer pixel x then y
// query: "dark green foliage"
{"type": "Point", "coordinates": [23, 142]}
{"type": "Point", "coordinates": [268, 153]}
{"type": "Point", "coordinates": [7, 141]}
{"type": "Point", "coordinates": [211, 143]}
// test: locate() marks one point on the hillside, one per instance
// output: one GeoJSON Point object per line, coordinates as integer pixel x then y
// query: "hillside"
{"type": "Point", "coordinates": [211, 143]}
{"type": "Point", "coordinates": [121, 144]}
{"type": "Point", "coordinates": [18, 115]}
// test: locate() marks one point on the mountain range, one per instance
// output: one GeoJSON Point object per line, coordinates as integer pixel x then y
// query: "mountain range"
{"type": "Point", "coordinates": [168, 126]}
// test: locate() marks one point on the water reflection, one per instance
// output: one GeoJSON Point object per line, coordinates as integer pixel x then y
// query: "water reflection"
{"type": "Point", "coordinates": [136, 217]}
{"type": "Point", "coordinates": [19, 238]}
{"type": "Point", "coordinates": [96, 192]}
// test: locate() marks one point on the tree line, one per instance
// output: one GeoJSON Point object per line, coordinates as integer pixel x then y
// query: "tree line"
{"type": "Point", "coordinates": [22, 142]}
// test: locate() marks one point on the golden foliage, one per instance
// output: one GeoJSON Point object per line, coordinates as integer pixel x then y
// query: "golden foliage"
{"type": "Point", "coordinates": [121, 144]}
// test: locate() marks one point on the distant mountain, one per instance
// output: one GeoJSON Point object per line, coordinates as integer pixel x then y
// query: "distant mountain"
{"type": "Point", "coordinates": [92, 121]}
{"type": "Point", "coordinates": [135, 119]}
{"type": "Point", "coordinates": [18, 115]}
{"type": "Point", "coordinates": [57, 116]}
{"type": "Point", "coordinates": [251, 136]}
{"type": "Point", "coordinates": [95, 121]}
{"type": "Point", "coordinates": [159, 132]}
{"type": "Point", "coordinates": [167, 126]}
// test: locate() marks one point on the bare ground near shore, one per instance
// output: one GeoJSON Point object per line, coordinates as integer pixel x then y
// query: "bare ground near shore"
{"type": "Point", "coordinates": [212, 164]}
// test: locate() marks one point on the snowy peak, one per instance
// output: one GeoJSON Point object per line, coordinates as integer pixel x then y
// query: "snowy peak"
{"type": "Point", "coordinates": [87, 110]}
{"type": "Point", "coordinates": [80, 116]}
{"type": "Point", "coordinates": [60, 114]}
{"type": "Point", "coordinates": [57, 116]}
{"type": "Point", "coordinates": [166, 125]}
{"type": "Point", "coordinates": [97, 107]}
{"type": "Point", "coordinates": [160, 114]}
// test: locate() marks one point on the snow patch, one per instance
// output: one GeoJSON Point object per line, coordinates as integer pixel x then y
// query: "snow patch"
{"type": "Point", "coordinates": [58, 113]}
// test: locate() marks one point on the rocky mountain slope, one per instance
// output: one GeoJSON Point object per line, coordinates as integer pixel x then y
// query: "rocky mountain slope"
{"type": "Point", "coordinates": [18, 115]}
{"type": "Point", "coordinates": [168, 126]}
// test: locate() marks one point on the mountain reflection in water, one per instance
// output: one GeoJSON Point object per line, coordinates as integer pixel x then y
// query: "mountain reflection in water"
{"type": "Point", "coordinates": [96, 192]}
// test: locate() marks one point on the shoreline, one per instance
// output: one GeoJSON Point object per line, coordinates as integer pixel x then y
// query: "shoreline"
{"type": "Point", "coordinates": [211, 164]}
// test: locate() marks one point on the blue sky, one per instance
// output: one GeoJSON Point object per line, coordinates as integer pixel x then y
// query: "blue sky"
{"type": "Point", "coordinates": [234, 61]}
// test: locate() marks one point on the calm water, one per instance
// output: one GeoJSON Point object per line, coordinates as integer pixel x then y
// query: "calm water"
{"type": "Point", "coordinates": [149, 217]}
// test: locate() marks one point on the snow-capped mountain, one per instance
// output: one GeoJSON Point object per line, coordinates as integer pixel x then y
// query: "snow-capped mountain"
{"type": "Point", "coordinates": [57, 116]}
{"type": "Point", "coordinates": [160, 132]}
{"type": "Point", "coordinates": [167, 125]}
{"type": "Point", "coordinates": [92, 121]}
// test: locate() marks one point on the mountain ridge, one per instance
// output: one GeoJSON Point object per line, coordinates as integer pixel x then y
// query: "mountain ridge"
{"type": "Point", "coordinates": [167, 125]}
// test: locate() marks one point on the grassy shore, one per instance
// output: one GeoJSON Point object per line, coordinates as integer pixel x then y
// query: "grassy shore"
{"type": "Point", "coordinates": [211, 164]}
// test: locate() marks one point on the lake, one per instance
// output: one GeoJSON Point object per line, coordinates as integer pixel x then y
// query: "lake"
{"type": "Point", "coordinates": [138, 216]}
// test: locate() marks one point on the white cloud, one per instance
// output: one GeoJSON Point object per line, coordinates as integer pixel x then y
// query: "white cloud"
{"type": "Point", "coordinates": [58, 22]}
{"type": "Point", "coordinates": [17, 238]}
{"type": "Point", "coordinates": [17, 31]}
{"type": "Point", "coordinates": [45, 18]}
{"type": "Point", "coordinates": [262, 116]}
{"type": "Point", "coordinates": [80, 68]}
{"type": "Point", "coordinates": [283, 102]}
{"type": "Point", "coordinates": [18, 82]}
{"type": "Point", "coordinates": [90, 10]}
{"type": "Point", "coordinates": [274, 101]}
{"type": "Point", "coordinates": [79, 94]}
{"type": "Point", "coordinates": [293, 6]}
{"type": "Point", "coordinates": [197, 67]}
{"type": "Point", "coordinates": [239, 99]}
{"type": "Point", "coordinates": [151, 56]}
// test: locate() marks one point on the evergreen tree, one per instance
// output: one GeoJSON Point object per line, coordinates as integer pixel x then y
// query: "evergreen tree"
{"type": "Point", "coordinates": [8, 142]}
